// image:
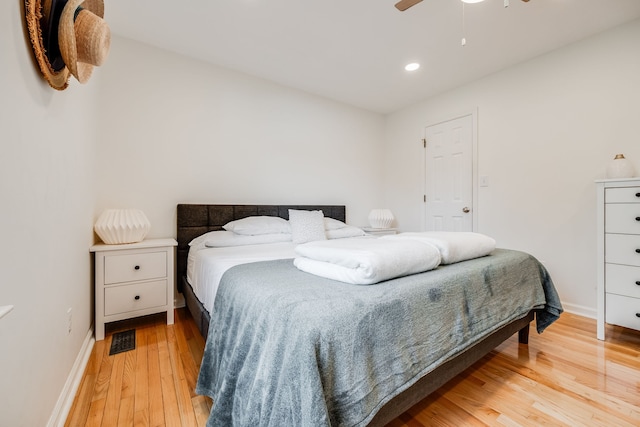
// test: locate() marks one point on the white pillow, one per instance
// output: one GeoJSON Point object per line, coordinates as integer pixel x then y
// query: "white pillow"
{"type": "Point", "coordinates": [333, 224]}
{"type": "Point", "coordinates": [219, 239]}
{"type": "Point", "coordinates": [254, 225]}
{"type": "Point", "coordinates": [306, 226]}
{"type": "Point", "coordinates": [344, 232]}
{"type": "Point", "coordinates": [201, 239]}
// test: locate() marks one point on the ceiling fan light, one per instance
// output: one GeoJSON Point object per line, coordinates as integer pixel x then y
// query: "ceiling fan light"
{"type": "Point", "coordinates": [412, 66]}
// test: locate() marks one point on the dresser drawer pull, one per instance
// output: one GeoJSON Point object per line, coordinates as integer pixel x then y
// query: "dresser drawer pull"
{"type": "Point", "coordinates": [638, 282]}
{"type": "Point", "coordinates": [637, 194]}
{"type": "Point", "coordinates": [638, 251]}
{"type": "Point", "coordinates": [638, 218]}
{"type": "Point", "coordinates": [637, 314]}
{"type": "Point", "coordinates": [137, 267]}
{"type": "Point", "coordinates": [137, 297]}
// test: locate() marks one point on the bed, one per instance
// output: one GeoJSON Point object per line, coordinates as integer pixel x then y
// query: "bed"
{"type": "Point", "coordinates": [311, 375]}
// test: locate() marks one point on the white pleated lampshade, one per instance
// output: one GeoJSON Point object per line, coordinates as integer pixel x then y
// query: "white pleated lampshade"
{"type": "Point", "coordinates": [380, 218]}
{"type": "Point", "coordinates": [119, 226]}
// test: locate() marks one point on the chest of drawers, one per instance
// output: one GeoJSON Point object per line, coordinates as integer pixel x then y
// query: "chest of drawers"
{"type": "Point", "coordinates": [133, 280]}
{"type": "Point", "coordinates": [618, 254]}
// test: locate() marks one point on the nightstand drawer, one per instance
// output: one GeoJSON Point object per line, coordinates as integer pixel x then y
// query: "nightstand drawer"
{"type": "Point", "coordinates": [623, 311]}
{"type": "Point", "coordinates": [622, 249]}
{"type": "Point", "coordinates": [139, 296]}
{"type": "Point", "coordinates": [133, 267]}
{"type": "Point", "coordinates": [622, 218]}
{"type": "Point", "coordinates": [623, 280]}
{"type": "Point", "coordinates": [622, 195]}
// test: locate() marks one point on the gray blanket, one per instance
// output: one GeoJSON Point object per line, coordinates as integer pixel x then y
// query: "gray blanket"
{"type": "Point", "coordinates": [286, 348]}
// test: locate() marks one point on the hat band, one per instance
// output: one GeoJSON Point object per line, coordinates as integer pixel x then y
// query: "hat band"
{"type": "Point", "coordinates": [77, 12]}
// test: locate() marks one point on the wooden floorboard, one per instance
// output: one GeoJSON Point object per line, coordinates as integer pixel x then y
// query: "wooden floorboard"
{"type": "Point", "coordinates": [564, 377]}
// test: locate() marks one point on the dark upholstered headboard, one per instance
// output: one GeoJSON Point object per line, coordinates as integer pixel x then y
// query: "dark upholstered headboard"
{"type": "Point", "coordinates": [194, 220]}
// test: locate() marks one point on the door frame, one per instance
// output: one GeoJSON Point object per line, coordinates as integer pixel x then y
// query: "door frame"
{"type": "Point", "coordinates": [474, 165]}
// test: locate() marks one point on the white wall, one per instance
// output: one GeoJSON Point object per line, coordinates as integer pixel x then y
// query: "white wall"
{"type": "Point", "coordinates": [178, 130]}
{"type": "Point", "coordinates": [546, 130]}
{"type": "Point", "coordinates": [47, 194]}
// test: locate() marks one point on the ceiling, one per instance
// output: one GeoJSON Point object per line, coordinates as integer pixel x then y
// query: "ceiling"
{"type": "Point", "coordinates": [354, 51]}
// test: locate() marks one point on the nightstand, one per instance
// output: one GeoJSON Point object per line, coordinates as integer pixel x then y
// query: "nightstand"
{"type": "Point", "coordinates": [379, 231]}
{"type": "Point", "coordinates": [132, 280]}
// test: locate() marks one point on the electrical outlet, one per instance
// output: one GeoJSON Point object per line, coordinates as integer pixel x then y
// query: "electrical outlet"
{"type": "Point", "coordinates": [69, 318]}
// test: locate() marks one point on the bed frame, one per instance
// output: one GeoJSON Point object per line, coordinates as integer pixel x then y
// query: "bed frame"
{"type": "Point", "coordinates": [196, 219]}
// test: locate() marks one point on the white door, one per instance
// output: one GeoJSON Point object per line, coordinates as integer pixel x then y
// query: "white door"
{"type": "Point", "coordinates": [449, 175]}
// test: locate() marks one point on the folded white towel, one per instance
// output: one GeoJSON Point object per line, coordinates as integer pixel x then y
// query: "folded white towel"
{"type": "Point", "coordinates": [454, 246]}
{"type": "Point", "coordinates": [364, 261]}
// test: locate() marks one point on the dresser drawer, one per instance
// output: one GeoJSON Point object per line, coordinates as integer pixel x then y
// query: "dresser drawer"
{"type": "Point", "coordinates": [622, 218]}
{"type": "Point", "coordinates": [622, 311]}
{"type": "Point", "coordinates": [132, 267]}
{"type": "Point", "coordinates": [622, 249]}
{"type": "Point", "coordinates": [622, 195]}
{"type": "Point", "coordinates": [138, 296]}
{"type": "Point", "coordinates": [623, 280]}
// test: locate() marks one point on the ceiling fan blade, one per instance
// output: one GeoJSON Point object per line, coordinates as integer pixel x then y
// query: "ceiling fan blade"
{"type": "Point", "coordinates": [403, 5]}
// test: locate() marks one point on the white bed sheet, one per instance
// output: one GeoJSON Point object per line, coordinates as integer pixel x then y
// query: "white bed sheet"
{"type": "Point", "coordinates": [205, 266]}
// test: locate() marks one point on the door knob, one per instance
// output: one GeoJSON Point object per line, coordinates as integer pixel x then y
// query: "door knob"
{"type": "Point", "coordinates": [466, 210]}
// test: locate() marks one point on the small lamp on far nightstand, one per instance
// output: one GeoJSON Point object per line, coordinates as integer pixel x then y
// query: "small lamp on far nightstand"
{"type": "Point", "coordinates": [380, 218]}
{"type": "Point", "coordinates": [620, 167]}
{"type": "Point", "coordinates": [119, 226]}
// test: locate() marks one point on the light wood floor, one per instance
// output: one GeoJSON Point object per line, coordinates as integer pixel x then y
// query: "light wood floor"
{"type": "Point", "coordinates": [564, 377]}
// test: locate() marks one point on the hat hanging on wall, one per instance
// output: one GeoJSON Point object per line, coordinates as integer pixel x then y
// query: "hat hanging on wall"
{"type": "Point", "coordinates": [69, 37]}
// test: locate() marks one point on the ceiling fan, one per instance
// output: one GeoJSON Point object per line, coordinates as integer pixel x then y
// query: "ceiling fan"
{"type": "Point", "coordinates": [403, 5]}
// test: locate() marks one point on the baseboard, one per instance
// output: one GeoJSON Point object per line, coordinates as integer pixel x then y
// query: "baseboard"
{"type": "Point", "coordinates": [63, 406]}
{"type": "Point", "coordinates": [580, 310]}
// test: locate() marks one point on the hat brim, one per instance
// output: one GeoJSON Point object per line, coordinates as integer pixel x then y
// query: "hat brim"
{"type": "Point", "coordinates": [44, 40]}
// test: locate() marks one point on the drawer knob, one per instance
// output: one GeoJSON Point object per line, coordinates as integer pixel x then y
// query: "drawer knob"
{"type": "Point", "coordinates": [638, 251]}
{"type": "Point", "coordinates": [638, 282]}
{"type": "Point", "coordinates": [637, 194]}
{"type": "Point", "coordinates": [637, 314]}
{"type": "Point", "coordinates": [137, 267]}
{"type": "Point", "coordinates": [137, 297]}
{"type": "Point", "coordinates": [638, 218]}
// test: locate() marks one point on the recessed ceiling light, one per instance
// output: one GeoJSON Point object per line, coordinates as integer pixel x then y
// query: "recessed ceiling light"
{"type": "Point", "coordinates": [412, 67]}
{"type": "Point", "coordinates": [471, 1]}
